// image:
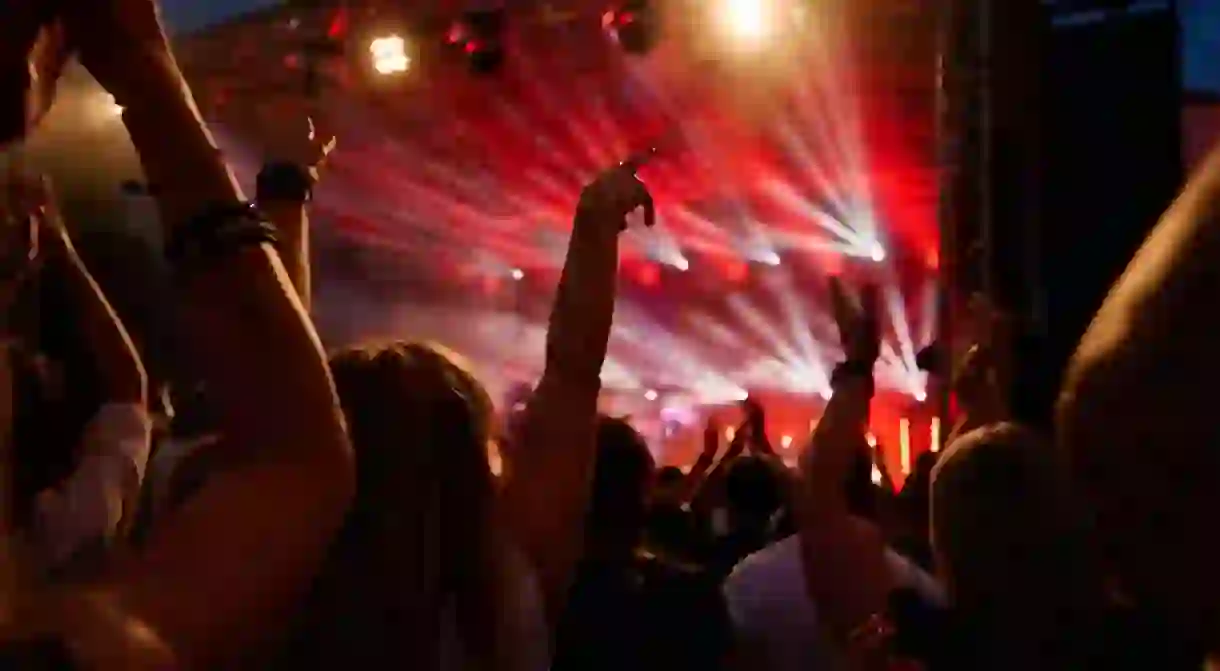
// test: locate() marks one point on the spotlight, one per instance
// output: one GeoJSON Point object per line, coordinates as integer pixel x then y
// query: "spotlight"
{"type": "Point", "coordinates": [682, 264]}
{"type": "Point", "coordinates": [389, 55]}
{"type": "Point", "coordinates": [745, 20]}
{"type": "Point", "coordinates": [877, 252]}
{"type": "Point", "coordinates": [650, 395]}
{"type": "Point", "coordinates": [772, 259]}
{"type": "Point", "coordinates": [518, 274]}
{"type": "Point", "coordinates": [480, 37]}
{"type": "Point", "coordinates": [634, 25]}
{"type": "Point", "coordinates": [786, 442]}
{"type": "Point", "coordinates": [920, 395]}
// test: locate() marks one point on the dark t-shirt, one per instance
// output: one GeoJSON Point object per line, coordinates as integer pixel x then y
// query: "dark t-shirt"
{"type": "Point", "coordinates": [647, 614]}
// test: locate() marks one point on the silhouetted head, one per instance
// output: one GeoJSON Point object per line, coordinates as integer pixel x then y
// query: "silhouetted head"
{"type": "Point", "coordinates": [421, 538]}
{"type": "Point", "coordinates": [622, 480]}
{"type": "Point", "coordinates": [1010, 538]}
{"type": "Point", "coordinates": [752, 489]}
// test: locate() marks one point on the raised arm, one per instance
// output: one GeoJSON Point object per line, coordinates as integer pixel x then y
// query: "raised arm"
{"type": "Point", "coordinates": [285, 189]}
{"type": "Point", "coordinates": [546, 495]}
{"type": "Point", "coordinates": [843, 556]}
{"type": "Point", "coordinates": [102, 492]}
{"type": "Point", "coordinates": [120, 371]}
{"type": "Point", "coordinates": [223, 574]}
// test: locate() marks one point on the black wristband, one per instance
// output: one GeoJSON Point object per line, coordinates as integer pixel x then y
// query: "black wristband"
{"type": "Point", "coordinates": [217, 232]}
{"type": "Point", "coordinates": [283, 181]}
{"type": "Point", "coordinates": [852, 369]}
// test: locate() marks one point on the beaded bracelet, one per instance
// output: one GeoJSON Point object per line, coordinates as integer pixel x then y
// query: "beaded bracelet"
{"type": "Point", "coordinates": [219, 231]}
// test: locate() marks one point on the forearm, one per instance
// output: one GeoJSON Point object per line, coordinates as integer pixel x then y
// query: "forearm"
{"type": "Point", "coordinates": [180, 158]}
{"type": "Point", "coordinates": [291, 221]}
{"type": "Point", "coordinates": [578, 333]}
{"type": "Point", "coordinates": [114, 354]}
{"type": "Point", "coordinates": [548, 492]}
{"type": "Point", "coordinates": [697, 475]}
{"type": "Point", "coordinates": [842, 427]}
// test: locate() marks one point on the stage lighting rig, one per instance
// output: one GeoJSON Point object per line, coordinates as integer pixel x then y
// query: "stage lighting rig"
{"type": "Point", "coordinates": [480, 36]}
{"type": "Point", "coordinates": [634, 24]}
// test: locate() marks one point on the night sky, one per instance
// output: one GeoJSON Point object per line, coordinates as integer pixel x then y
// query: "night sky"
{"type": "Point", "coordinates": [1200, 19]}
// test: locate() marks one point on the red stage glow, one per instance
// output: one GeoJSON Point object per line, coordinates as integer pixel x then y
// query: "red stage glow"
{"type": "Point", "coordinates": [818, 161]}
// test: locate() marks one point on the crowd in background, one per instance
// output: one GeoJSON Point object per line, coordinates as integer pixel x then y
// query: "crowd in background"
{"type": "Point", "coordinates": [305, 509]}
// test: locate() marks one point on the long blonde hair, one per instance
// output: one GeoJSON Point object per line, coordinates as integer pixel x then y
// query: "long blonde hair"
{"type": "Point", "coordinates": [421, 539]}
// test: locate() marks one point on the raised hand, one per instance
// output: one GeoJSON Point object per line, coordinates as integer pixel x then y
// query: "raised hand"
{"type": "Point", "coordinates": [297, 134]}
{"type": "Point", "coordinates": [616, 193]}
{"type": "Point", "coordinates": [859, 328]}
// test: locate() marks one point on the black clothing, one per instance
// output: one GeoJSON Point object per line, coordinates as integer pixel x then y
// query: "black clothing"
{"type": "Point", "coordinates": [644, 614]}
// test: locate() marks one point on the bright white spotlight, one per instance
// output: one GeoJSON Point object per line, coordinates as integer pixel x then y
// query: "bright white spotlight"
{"type": "Point", "coordinates": [826, 393]}
{"type": "Point", "coordinates": [681, 263]}
{"type": "Point", "coordinates": [389, 55]}
{"type": "Point", "coordinates": [650, 395]}
{"type": "Point", "coordinates": [786, 442]}
{"type": "Point", "coordinates": [746, 20]}
{"type": "Point", "coordinates": [920, 395]}
{"type": "Point", "coordinates": [518, 274]}
{"type": "Point", "coordinates": [772, 259]}
{"type": "Point", "coordinates": [877, 252]}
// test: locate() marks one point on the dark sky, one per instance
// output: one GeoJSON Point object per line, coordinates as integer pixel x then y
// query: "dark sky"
{"type": "Point", "coordinates": [1200, 23]}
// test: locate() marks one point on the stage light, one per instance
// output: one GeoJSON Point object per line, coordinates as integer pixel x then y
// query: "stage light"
{"type": "Point", "coordinates": [480, 37]}
{"type": "Point", "coordinates": [785, 442]}
{"type": "Point", "coordinates": [872, 440]}
{"type": "Point", "coordinates": [772, 259]}
{"type": "Point", "coordinates": [633, 24]}
{"type": "Point", "coordinates": [518, 274]}
{"type": "Point", "coordinates": [745, 20]}
{"type": "Point", "coordinates": [681, 263]}
{"type": "Point", "coordinates": [389, 55]}
{"type": "Point", "coordinates": [904, 444]}
{"type": "Point", "coordinates": [826, 394]}
{"type": "Point", "coordinates": [650, 395]}
{"type": "Point", "coordinates": [920, 395]}
{"type": "Point", "coordinates": [877, 252]}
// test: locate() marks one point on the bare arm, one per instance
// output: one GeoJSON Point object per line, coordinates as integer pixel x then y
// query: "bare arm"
{"type": "Point", "coordinates": [221, 575]}
{"type": "Point", "coordinates": [114, 354]}
{"type": "Point", "coordinates": [843, 556]}
{"type": "Point", "coordinates": [697, 475]}
{"type": "Point", "coordinates": [547, 493]}
{"type": "Point", "coordinates": [292, 222]}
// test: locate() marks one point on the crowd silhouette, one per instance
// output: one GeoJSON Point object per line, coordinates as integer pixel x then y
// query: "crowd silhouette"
{"type": "Point", "coordinates": [305, 509]}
